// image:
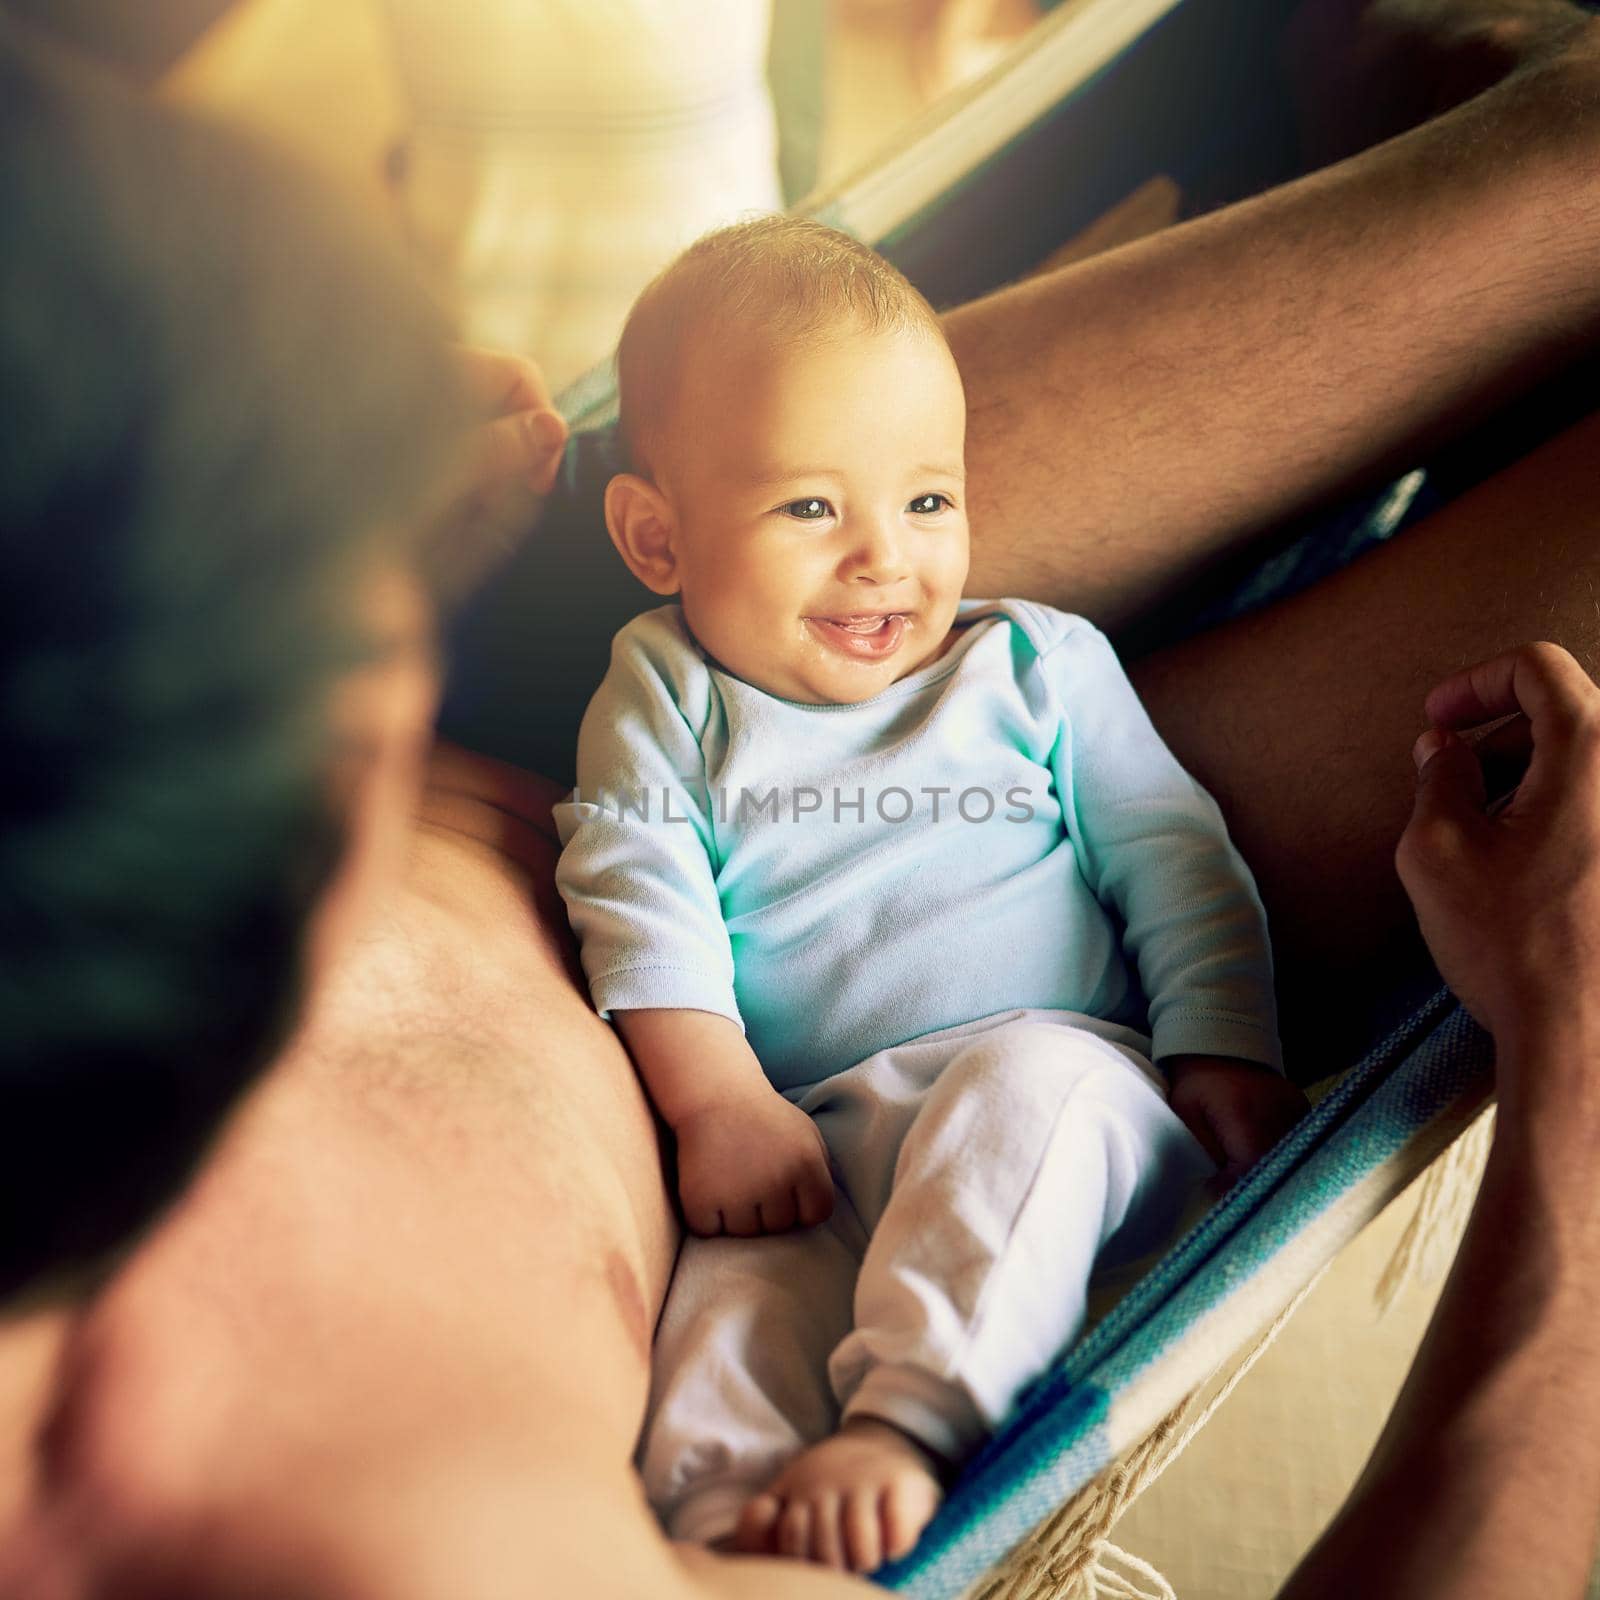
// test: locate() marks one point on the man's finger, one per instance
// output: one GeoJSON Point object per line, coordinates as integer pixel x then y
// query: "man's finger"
{"type": "Point", "coordinates": [525, 448]}
{"type": "Point", "coordinates": [1542, 681]}
{"type": "Point", "coordinates": [1503, 753]}
{"type": "Point", "coordinates": [1449, 783]}
{"type": "Point", "coordinates": [501, 382]}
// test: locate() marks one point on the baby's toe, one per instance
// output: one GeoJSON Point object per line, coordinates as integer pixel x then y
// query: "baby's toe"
{"type": "Point", "coordinates": [794, 1529]}
{"type": "Point", "coordinates": [863, 1532]}
{"type": "Point", "coordinates": [827, 1531]}
{"type": "Point", "coordinates": [757, 1522]}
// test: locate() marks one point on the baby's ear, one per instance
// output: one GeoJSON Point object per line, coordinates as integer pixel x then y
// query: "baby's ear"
{"type": "Point", "coordinates": [639, 520]}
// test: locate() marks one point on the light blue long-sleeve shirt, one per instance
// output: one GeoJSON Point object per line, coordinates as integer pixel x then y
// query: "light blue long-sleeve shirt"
{"type": "Point", "coordinates": [1001, 828]}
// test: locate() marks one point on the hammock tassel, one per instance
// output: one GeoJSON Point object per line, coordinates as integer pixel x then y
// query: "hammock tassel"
{"type": "Point", "coordinates": [1118, 1575]}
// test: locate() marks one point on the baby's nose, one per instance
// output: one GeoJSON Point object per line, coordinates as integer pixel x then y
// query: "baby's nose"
{"type": "Point", "coordinates": [878, 554]}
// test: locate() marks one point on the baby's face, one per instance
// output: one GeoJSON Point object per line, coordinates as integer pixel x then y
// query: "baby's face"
{"type": "Point", "coordinates": [820, 500]}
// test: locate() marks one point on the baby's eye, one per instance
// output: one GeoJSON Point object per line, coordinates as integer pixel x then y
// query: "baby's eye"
{"type": "Point", "coordinates": [927, 505]}
{"type": "Point", "coordinates": [812, 510]}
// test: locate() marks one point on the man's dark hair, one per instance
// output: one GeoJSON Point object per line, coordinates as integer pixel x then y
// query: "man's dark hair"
{"type": "Point", "coordinates": [218, 400]}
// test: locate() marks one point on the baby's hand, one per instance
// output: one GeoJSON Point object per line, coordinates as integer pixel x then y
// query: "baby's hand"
{"type": "Point", "coordinates": [752, 1165]}
{"type": "Point", "coordinates": [1237, 1109]}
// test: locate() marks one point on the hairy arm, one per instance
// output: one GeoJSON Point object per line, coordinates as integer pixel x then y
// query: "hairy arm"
{"type": "Point", "coordinates": [1136, 415]}
{"type": "Point", "coordinates": [1486, 1481]}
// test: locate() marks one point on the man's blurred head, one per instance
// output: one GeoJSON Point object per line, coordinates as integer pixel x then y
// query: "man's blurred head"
{"type": "Point", "coordinates": [226, 414]}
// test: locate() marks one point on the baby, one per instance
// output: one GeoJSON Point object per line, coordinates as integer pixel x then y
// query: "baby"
{"type": "Point", "coordinates": [882, 889]}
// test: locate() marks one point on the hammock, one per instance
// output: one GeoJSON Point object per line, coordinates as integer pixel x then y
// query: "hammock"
{"type": "Point", "coordinates": [1102, 95]}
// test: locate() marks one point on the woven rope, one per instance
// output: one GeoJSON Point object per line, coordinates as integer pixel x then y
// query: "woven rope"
{"type": "Point", "coordinates": [1069, 1556]}
{"type": "Point", "coordinates": [1117, 1575]}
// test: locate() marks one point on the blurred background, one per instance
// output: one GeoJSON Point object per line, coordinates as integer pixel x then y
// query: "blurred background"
{"type": "Point", "coordinates": [542, 159]}
{"type": "Point", "coordinates": [546, 159]}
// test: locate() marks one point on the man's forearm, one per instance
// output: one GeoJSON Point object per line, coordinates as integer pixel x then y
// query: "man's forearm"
{"type": "Point", "coordinates": [1132, 416]}
{"type": "Point", "coordinates": [1486, 1482]}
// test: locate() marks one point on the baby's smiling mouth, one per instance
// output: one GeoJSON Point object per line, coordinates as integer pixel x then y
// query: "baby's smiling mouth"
{"type": "Point", "coordinates": [863, 621]}
{"type": "Point", "coordinates": [863, 635]}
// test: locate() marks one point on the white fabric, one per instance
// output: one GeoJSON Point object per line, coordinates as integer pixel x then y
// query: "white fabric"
{"type": "Point", "coordinates": [982, 1171]}
{"type": "Point", "coordinates": [563, 151]}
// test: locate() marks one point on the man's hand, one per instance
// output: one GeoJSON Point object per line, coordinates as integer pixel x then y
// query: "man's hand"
{"type": "Point", "coordinates": [1498, 1420]}
{"type": "Point", "coordinates": [752, 1165]}
{"type": "Point", "coordinates": [1237, 1109]}
{"type": "Point", "coordinates": [1509, 903]}
{"type": "Point", "coordinates": [510, 469]}
{"type": "Point", "coordinates": [524, 434]}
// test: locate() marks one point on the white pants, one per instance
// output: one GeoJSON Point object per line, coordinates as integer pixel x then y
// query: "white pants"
{"type": "Point", "coordinates": [982, 1172]}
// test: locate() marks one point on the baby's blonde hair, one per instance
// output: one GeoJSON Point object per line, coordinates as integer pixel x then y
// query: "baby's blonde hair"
{"type": "Point", "coordinates": [784, 276]}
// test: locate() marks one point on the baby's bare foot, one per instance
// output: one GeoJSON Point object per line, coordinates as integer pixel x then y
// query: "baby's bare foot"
{"type": "Point", "coordinates": [854, 1501]}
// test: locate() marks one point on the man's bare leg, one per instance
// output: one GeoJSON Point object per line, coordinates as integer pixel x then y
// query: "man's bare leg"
{"type": "Point", "coordinates": [1137, 415]}
{"type": "Point", "coordinates": [395, 1342]}
{"type": "Point", "coordinates": [1300, 719]}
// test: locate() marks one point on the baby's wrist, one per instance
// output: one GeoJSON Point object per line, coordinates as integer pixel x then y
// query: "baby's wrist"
{"type": "Point", "coordinates": [731, 1101]}
{"type": "Point", "coordinates": [1193, 1065]}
